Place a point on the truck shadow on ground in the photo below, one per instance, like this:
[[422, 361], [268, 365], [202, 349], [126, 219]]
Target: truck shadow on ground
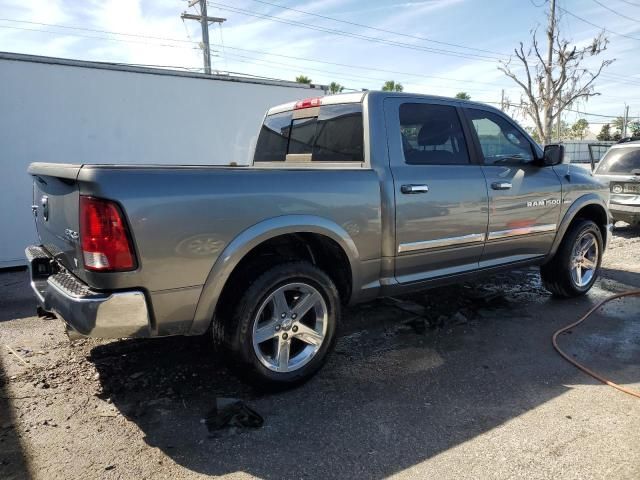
[[13, 464], [408, 380], [16, 301]]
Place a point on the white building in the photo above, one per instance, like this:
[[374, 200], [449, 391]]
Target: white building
[[68, 111]]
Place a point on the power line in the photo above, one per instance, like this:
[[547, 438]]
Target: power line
[[359, 67], [597, 26], [346, 22], [618, 79], [631, 3], [332, 31], [296, 68], [69, 27], [616, 12], [261, 52], [98, 38], [622, 80]]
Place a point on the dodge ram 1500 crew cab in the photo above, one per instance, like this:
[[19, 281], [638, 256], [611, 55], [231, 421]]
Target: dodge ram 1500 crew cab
[[349, 197]]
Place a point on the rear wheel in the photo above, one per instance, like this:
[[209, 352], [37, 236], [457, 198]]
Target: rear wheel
[[574, 268], [284, 325]]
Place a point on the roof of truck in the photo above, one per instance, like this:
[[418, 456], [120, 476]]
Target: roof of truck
[[357, 97]]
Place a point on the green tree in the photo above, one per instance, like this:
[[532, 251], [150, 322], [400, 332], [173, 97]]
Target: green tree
[[565, 132], [392, 86], [335, 87], [579, 128], [634, 128], [303, 79], [618, 124], [605, 133], [463, 96]]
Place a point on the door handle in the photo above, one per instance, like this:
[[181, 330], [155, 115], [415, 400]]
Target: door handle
[[409, 189], [501, 185]]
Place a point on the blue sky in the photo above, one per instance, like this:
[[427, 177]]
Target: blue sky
[[472, 35]]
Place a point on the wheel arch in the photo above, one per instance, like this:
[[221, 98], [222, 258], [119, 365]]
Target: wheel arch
[[259, 234], [589, 206]]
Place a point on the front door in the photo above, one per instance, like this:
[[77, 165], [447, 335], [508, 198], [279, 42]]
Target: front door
[[440, 194], [524, 196]]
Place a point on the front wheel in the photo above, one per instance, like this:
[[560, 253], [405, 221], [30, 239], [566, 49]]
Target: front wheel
[[574, 268], [285, 324]]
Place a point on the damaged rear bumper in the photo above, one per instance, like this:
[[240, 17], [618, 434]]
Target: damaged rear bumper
[[85, 311], [627, 213]]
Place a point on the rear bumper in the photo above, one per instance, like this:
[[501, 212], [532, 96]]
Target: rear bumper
[[626, 213], [86, 312]]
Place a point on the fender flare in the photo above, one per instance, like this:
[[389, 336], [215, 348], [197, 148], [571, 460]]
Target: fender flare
[[576, 206], [242, 244]]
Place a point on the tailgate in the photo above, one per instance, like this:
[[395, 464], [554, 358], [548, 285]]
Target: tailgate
[[56, 205]]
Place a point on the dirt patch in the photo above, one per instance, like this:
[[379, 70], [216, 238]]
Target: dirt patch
[[413, 380]]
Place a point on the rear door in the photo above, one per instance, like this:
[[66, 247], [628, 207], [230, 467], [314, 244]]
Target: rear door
[[441, 195], [524, 197]]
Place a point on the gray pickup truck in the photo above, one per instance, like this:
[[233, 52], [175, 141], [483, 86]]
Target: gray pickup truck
[[349, 197]]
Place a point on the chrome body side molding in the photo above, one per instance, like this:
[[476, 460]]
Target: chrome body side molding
[[441, 242], [474, 238], [514, 232]]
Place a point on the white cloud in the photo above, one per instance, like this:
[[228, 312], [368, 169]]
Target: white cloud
[[453, 21]]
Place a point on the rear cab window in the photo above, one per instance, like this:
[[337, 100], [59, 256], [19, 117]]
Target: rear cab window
[[328, 133]]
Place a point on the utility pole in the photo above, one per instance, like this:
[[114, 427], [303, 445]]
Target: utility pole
[[548, 108], [625, 121], [204, 24], [502, 101]]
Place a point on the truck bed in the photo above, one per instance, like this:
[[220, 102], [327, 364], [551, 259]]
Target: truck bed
[[182, 218]]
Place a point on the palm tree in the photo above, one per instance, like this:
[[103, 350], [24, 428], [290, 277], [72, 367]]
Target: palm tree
[[391, 86], [303, 79], [335, 87], [463, 96]]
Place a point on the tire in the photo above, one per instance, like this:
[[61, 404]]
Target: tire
[[260, 334], [560, 276]]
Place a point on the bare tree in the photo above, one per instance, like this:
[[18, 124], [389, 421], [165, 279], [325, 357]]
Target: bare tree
[[554, 84]]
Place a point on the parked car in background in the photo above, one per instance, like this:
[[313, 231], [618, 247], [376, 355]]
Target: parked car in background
[[620, 167], [350, 197]]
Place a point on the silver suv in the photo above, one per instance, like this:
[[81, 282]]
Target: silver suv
[[620, 166]]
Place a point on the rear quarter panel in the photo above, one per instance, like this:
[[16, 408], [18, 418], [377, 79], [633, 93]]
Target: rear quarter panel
[[182, 218]]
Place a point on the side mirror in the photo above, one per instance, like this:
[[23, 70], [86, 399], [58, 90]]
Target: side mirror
[[553, 155]]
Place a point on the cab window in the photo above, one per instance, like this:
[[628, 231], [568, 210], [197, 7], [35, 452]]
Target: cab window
[[432, 135], [501, 141]]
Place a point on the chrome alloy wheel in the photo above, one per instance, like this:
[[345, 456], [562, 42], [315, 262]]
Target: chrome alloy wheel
[[584, 259], [290, 327]]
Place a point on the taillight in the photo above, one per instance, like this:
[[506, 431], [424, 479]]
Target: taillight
[[308, 103], [105, 241]]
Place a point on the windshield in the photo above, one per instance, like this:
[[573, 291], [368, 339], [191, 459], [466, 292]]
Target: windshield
[[620, 161]]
